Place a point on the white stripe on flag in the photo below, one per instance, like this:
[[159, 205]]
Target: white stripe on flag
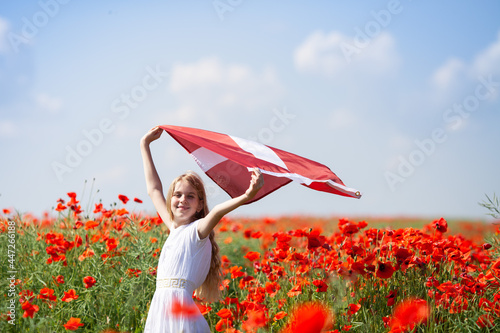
[[307, 181], [207, 159], [292, 176], [260, 151], [343, 188]]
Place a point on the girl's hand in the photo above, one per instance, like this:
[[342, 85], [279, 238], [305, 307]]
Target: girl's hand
[[256, 183], [152, 135]]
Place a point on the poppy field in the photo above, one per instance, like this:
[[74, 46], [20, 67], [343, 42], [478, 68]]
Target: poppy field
[[94, 270]]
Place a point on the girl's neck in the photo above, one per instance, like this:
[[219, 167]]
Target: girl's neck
[[177, 224]]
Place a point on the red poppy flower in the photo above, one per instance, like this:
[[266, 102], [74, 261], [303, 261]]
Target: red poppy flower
[[486, 320], [496, 266], [58, 279], [247, 233], [236, 272], [272, 288], [86, 254], [69, 296], [391, 297], [349, 228], [223, 324], [60, 207], [387, 321], [440, 225], [282, 237], [280, 315], [123, 198], [320, 285], [78, 224], [257, 234], [98, 208], [314, 239], [308, 318], [77, 209], [225, 313], [121, 212], [133, 272], [256, 319], [111, 244], [204, 309], [401, 254], [353, 308], [47, 293], [409, 313], [251, 255], [73, 200], [29, 309], [91, 225], [385, 270], [89, 281], [73, 324], [296, 290], [137, 200]]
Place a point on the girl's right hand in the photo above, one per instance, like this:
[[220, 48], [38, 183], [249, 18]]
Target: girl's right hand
[[152, 135]]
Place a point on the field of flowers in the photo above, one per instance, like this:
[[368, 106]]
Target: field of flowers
[[94, 271]]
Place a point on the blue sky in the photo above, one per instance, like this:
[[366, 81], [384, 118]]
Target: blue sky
[[399, 98]]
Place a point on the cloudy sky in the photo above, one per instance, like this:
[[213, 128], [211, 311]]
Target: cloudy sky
[[399, 98]]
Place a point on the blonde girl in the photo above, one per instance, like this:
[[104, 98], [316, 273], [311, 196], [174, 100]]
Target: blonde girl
[[189, 261]]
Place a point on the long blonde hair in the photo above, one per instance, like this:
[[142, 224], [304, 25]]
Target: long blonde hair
[[209, 290]]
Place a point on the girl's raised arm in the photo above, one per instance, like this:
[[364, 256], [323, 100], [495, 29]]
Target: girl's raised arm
[[208, 223], [153, 182]]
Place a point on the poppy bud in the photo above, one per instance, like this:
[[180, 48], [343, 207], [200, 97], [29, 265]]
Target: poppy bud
[[487, 246]]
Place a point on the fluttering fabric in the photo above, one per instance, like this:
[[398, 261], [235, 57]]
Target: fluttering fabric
[[228, 161]]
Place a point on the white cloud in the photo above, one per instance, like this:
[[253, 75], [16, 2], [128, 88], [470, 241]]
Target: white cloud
[[4, 27], [320, 52], [334, 53], [447, 74], [48, 103], [487, 62], [209, 87], [455, 75]]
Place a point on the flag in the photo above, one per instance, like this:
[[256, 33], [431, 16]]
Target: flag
[[229, 160]]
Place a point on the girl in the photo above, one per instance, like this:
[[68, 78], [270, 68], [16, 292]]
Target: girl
[[189, 260]]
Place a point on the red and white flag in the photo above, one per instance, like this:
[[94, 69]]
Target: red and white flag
[[228, 161]]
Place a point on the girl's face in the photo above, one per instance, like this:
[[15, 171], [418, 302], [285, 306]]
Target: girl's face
[[185, 202]]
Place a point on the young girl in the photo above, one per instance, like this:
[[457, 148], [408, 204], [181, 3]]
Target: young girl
[[189, 260]]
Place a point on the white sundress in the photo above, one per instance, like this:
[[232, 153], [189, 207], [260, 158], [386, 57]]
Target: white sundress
[[183, 266]]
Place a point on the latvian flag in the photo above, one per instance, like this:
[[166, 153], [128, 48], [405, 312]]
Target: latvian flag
[[228, 161]]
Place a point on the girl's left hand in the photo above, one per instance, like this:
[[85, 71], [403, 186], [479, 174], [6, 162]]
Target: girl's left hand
[[256, 183]]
